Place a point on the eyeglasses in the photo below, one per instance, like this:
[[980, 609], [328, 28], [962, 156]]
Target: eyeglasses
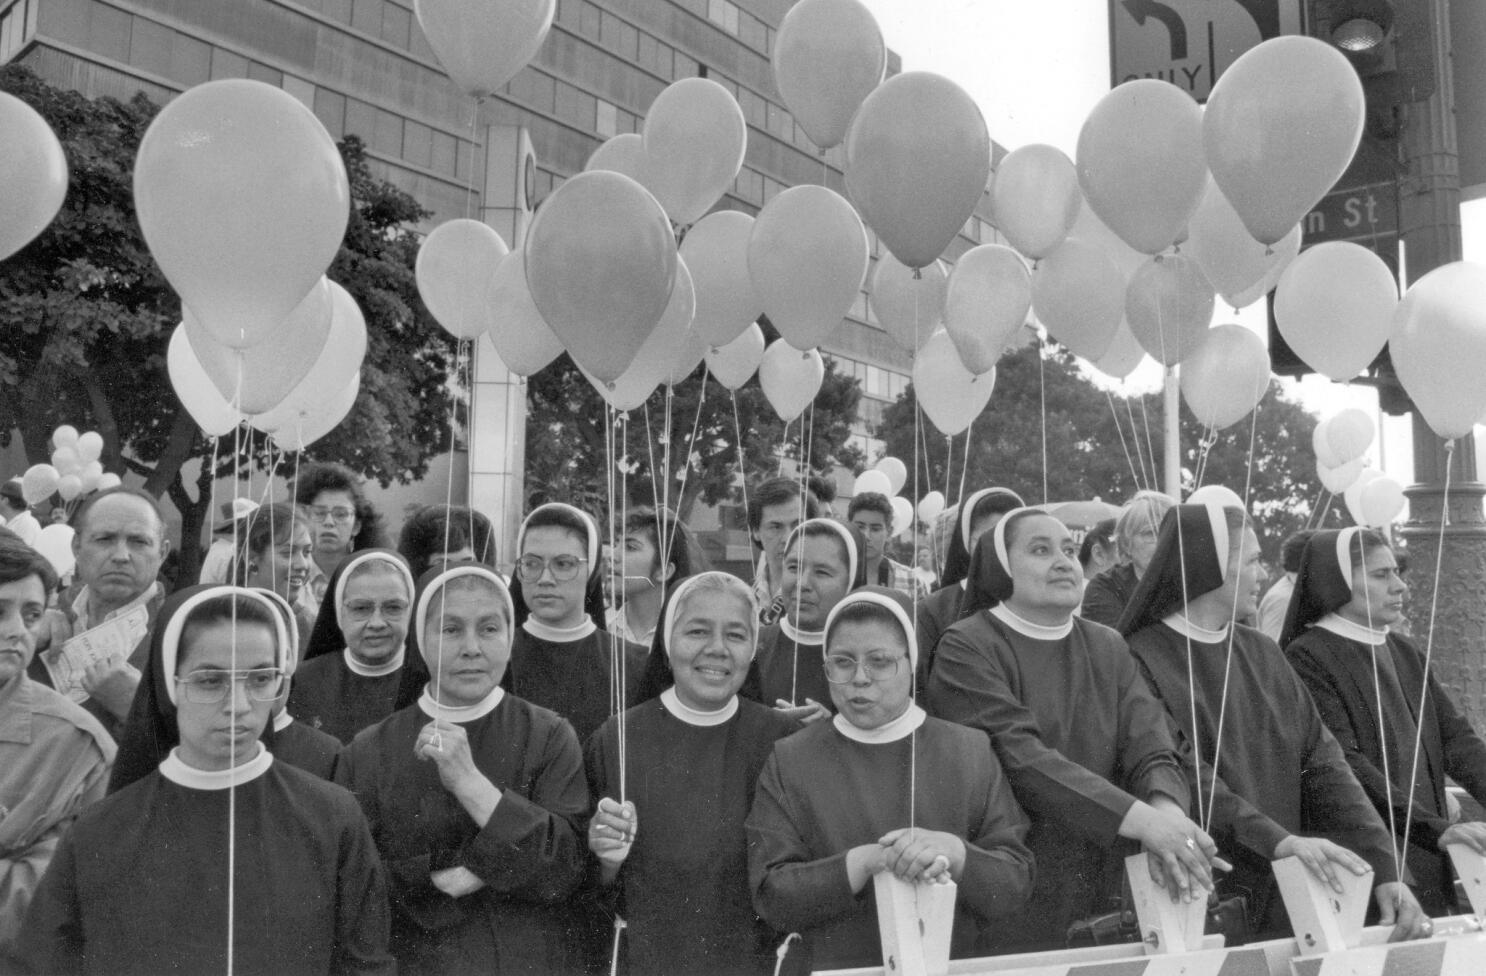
[[364, 610], [210, 687], [563, 568], [340, 514], [843, 668]]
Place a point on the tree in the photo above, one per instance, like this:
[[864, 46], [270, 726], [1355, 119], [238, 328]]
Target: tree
[[1108, 446], [89, 316], [567, 446]]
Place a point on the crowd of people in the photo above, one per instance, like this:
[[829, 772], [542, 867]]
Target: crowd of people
[[335, 755]]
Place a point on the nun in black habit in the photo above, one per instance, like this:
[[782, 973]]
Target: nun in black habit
[[294, 742], [209, 856], [1368, 683], [1085, 745], [1271, 749]]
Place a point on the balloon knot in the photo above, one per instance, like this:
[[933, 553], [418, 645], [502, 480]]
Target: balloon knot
[[918, 274], [1268, 250], [609, 386], [1159, 258]]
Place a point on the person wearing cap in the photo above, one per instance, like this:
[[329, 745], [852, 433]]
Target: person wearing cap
[[356, 669], [207, 855], [216, 566], [476, 797], [974, 517], [1085, 745], [1368, 683], [881, 787], [561, 657], [54, 756], [16, 515], [1135, 541], [673, 852], [120, 545], [1236, 704], [822, 563]]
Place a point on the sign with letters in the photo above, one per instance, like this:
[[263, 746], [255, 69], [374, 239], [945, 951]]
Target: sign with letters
[[1190, 43]]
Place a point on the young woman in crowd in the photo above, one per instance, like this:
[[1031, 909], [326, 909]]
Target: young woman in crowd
[[476, 798], [274, 553], [646, 574], [881, 787]]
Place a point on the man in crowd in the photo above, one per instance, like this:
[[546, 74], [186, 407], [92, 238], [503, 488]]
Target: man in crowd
[[1277, 598], [119, 544], [775, 509], [872, 514], [224, 539], [16, 514]]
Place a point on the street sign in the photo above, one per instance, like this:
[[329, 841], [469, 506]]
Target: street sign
[[1191, 42], [1366, 215]]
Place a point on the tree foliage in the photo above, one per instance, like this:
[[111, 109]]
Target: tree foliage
[[1102, 445], [567, 438], [89, 316]]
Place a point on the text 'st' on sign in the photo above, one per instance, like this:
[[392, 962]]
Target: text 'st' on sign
[[1191, 42]]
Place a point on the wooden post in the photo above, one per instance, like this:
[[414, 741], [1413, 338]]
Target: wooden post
[[1471, 867], [915, 922], [1323, 921], [1166, 926]]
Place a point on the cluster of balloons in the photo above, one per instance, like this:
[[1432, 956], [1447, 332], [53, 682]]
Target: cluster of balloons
[[243, 201], [1341, 442], [75, 469], [887, 477]]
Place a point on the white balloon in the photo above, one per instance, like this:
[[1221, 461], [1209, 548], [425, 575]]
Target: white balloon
[[1326, 455], [1339, 479], [453, 268], [1350, 434], [662, 352], [624, 154], [790, 378], [1353, 495], [873, 482], [950, 394], [65, 436], [518, 334], [313, 420], [716, 252], [55, 543], [930, 506], [109, 480], [896, 471], [1381, 500], [735, 363], [90, 446], [909, 305], [38, 483], [902, 515]]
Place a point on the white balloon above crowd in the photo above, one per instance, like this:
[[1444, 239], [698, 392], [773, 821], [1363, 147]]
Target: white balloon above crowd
[[1119, 253]]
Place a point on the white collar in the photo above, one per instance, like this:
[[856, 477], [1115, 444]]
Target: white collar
[[84, 596], [559, 635], [175, 770], [374, 670], [282, 721], [899, 728], [1351, 630], [460, 713], [1030, 629], [816, 637], [1179, 623], [693, 716]]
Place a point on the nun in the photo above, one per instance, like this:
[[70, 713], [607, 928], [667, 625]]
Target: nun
[[673, 851], [881, 787], [1360, 673], [354, 672], [294, 742], [822, 563], [1269, 744], [1085, 746], [976, 516], [217, 858], [476, 798], [561, 657]]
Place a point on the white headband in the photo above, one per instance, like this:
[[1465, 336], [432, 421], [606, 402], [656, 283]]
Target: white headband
[[842, 531], [998, 535], [590, 529], [439, 582], [1344, 552], [967, 510], [291, 661], [170, 640], [742, 589], [1218, 523], [877, 600], [366, 557]]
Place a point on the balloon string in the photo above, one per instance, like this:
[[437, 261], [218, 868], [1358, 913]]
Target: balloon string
[[1434, 603], [804, 474], [1042, 397], [738, 442], [1313, 519], [949, 473], [616, 655], [784, 450], [1150, 446], [1396, 842], [965, 461], [469, 191], [675, 523], [1123, 444], [650, 450], [1135, 438]]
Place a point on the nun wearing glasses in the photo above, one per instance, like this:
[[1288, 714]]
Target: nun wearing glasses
[[204, 830], [561, 657], [673, 852], [881, 787], [476, 798]]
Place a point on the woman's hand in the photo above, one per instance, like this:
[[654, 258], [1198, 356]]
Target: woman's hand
[[1322, 857], [448, 747], [1181, 854], [918, 855], [611, 834]]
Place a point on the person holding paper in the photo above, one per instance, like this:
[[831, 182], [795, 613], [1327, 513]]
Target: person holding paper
[[119, 544]]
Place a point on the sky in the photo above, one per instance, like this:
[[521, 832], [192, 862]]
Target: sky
[[1036, 68]]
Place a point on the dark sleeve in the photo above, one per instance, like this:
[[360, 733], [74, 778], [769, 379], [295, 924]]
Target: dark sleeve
[[1332, 707], [997, 879], [51, 939], [929, 629], [362, 925], [1147, 750], [753, 685], [1465, 753], [792, 891], [967, 686], [533, 849], [1102, 602], [355, 769]]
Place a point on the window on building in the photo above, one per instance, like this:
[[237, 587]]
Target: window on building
[[607, 123], [724, 15]]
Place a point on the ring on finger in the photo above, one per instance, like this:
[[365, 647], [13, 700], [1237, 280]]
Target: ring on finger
[[1191, 844]]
